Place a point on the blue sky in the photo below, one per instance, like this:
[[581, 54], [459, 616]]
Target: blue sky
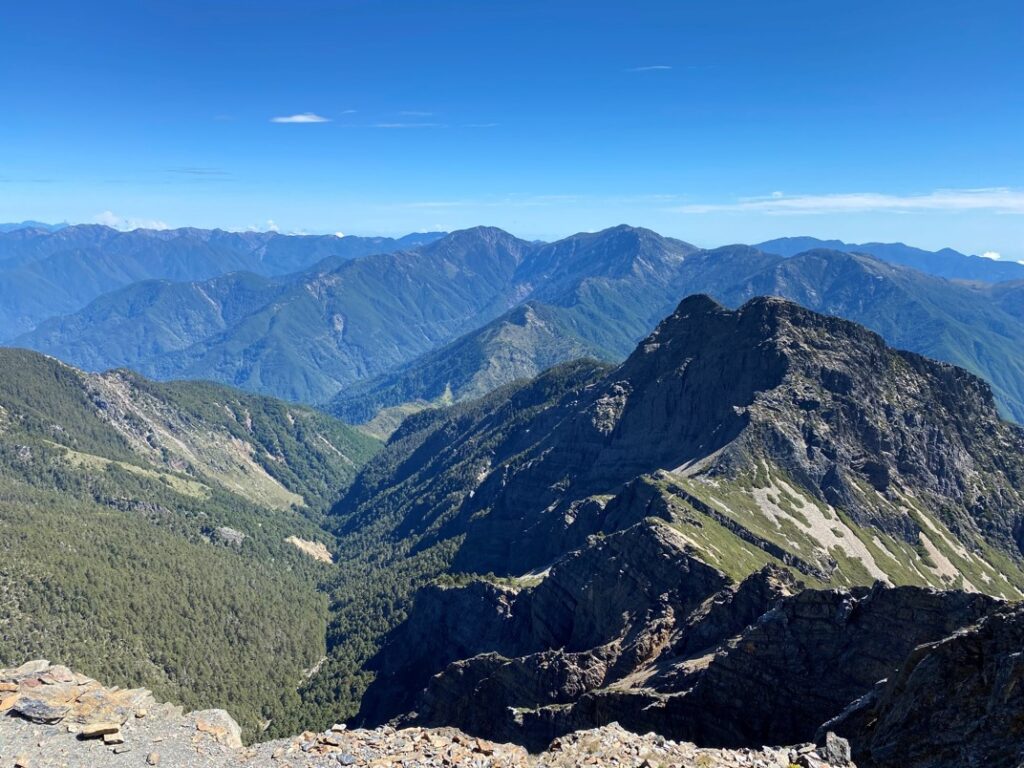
[[715, 121]]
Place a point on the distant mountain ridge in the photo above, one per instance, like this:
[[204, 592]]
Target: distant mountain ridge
[[524, 341], [319, 331], [404, 329], [912, 310], [51, 272], [38, 225], [946, 262]]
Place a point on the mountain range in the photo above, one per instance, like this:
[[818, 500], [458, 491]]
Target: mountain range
[[46, 272], [944, 263], [37, 225], [729, 537], [454, 317], [975, 326]]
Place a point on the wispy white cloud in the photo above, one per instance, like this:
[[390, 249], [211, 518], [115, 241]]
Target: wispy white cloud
[[269, 226], [439, 204], [650, 68], [111, 219], [198, 171], [993, 199], [408, 125], [303, 117], [997, 256], [510, 201]]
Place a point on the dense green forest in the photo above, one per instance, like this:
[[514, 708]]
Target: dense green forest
[[143, 527]]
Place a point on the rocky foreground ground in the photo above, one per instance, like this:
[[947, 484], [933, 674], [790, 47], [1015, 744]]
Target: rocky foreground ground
[[51, 717]]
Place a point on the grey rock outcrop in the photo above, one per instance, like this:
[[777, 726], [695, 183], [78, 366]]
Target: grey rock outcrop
[[804, 661], [605, 638], [596, 607], [957, 701]]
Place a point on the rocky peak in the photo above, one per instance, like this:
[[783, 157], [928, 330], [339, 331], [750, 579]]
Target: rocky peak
[[633, 629], [718, 393], [479, 245], [615, 252]]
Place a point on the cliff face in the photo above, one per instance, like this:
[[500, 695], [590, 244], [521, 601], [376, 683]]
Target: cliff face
[[634, 630], [808, 658], [605, 609], [957, 701]]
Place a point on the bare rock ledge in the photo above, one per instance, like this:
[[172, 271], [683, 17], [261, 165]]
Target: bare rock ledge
[[52, 717]]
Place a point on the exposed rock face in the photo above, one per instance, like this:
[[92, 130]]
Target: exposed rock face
[[53, 695], [219, 725], [706, 661], [958, 701], [46, 694], [628, 628], [314, 549], [229, 536], [595, 606], [805, 660]]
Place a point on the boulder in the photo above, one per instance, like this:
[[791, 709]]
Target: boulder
[[219, 725]]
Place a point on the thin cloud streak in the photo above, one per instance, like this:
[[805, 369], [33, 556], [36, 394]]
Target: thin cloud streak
[[303, 117], [995, 199], [198, 171], [522, 200], [650, 68], [408, 125], [512, 201]]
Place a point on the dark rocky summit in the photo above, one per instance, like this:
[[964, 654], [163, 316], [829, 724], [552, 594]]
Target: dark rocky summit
[[716, 391], [812, 443]]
